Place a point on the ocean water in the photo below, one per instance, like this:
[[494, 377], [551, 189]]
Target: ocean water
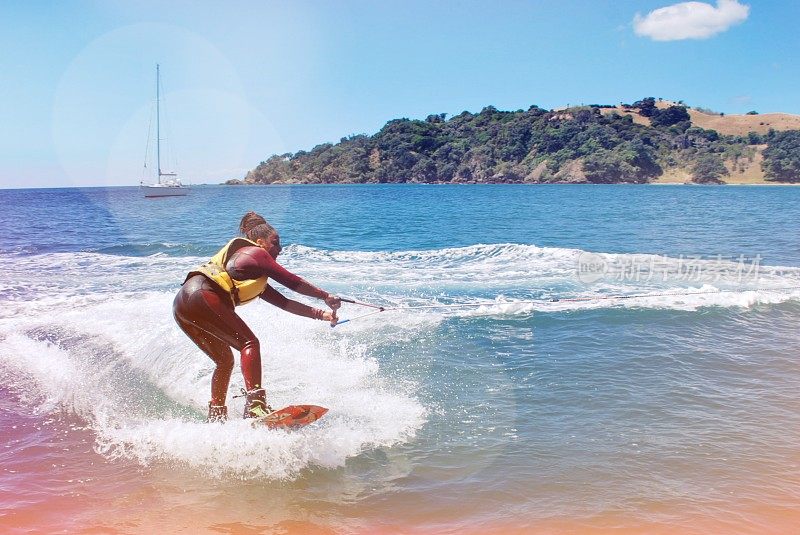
[[510, 389]]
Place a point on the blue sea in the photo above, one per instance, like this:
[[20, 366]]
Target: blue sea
[[554, 359]]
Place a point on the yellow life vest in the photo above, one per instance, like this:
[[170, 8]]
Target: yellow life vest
[[241, 292]]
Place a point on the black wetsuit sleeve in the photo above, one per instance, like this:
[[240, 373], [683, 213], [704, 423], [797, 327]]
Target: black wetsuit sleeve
[[254, 262]]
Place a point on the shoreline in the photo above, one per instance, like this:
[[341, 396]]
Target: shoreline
[[367, 184], [655, 183]]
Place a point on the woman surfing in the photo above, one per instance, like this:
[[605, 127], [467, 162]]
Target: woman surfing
[[238, 274]]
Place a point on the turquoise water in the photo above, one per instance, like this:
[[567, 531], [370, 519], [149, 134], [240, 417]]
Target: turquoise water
[[546, 405]]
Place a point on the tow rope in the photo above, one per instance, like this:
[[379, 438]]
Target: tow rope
[[379, 308]]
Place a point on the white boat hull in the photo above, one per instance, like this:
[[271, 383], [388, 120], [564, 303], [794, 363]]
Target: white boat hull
[[165, 191]]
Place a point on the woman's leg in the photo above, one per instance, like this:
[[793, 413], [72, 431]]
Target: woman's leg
[[211, 322], [219, 352]]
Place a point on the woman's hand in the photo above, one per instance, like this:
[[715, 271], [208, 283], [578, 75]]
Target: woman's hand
[[333, 302], [331, 317]]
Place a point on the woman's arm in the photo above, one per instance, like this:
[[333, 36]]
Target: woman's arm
[[273, 297], [254, 262]]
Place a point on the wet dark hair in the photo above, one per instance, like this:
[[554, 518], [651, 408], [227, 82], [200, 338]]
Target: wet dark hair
[[254, 226]]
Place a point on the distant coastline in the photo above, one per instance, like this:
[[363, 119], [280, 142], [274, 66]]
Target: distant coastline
[[238, 182], [648, 142]]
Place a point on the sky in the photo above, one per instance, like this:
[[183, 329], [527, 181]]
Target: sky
[[245, 80]]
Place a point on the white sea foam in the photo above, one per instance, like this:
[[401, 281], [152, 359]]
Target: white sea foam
[[479, 273], [503, 279], [125, 367]]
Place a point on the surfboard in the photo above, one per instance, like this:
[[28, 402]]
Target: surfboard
[[291, 417]]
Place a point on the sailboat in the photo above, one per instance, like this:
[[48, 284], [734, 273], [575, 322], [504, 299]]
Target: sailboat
[[168, 185]]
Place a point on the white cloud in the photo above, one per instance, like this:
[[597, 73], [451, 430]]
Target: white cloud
[[690, 20]]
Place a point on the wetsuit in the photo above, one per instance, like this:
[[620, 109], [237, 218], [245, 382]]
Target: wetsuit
[[204, 310]]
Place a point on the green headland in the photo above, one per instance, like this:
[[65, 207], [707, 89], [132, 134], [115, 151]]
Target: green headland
[[648, 141]]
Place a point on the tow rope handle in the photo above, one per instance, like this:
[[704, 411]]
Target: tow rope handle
[[361, 303]]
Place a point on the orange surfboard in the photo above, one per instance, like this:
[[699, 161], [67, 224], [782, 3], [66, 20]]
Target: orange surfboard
[[293, 416]]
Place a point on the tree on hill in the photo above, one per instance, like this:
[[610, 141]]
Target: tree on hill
[[647, 106], [754, 138], [605, 166], [670, 116], [782, 156], [708, 169]]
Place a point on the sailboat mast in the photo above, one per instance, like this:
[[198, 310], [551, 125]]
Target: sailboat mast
[[171, 186], [158, 124]]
